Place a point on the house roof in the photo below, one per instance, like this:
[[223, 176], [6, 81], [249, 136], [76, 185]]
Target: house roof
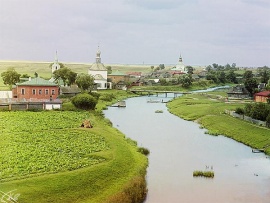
[[97, 67], [37, 82], [117, 73], [264, 94], [134, 73], [238, 89]]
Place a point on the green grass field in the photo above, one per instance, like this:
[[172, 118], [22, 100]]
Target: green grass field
[[43, 68], [209, 113], [47, 157]]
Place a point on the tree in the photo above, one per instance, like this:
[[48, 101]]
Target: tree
[[161, 66], [152, 68], [251, 85], [10, 77], [189, 69], [109, 69], [186, 81], [66, 74], [208, 68], [250, 82], [221, 77], [231, 76], [25, 75], [85, 81], [247, 75]]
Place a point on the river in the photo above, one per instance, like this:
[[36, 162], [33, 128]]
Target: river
[[178, 147]]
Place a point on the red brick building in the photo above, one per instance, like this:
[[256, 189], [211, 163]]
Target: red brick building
[[262, 96], [36, 88]]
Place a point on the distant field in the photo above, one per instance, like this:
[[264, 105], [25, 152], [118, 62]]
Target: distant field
[[43, 68]]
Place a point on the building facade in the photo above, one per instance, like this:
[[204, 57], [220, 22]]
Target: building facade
[[99, 72], [262, 96], [36, 88], [180, 66]]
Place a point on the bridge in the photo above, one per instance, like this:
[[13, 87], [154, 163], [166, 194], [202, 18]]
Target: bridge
[[151, 92]]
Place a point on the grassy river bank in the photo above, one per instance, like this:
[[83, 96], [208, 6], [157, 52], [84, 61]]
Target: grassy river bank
[[47, 157], [209, 113]]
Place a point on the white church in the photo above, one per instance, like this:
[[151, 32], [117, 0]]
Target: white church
[[180, 66], [99, 72]]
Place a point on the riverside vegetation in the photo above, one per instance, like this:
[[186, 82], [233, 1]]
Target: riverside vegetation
[[209, 112], [47, 157]]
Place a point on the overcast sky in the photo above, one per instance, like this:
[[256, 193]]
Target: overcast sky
[[137, 31]]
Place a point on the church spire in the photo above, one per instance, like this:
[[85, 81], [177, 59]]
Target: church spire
[[98, 58], [56, 57], [180, 58]]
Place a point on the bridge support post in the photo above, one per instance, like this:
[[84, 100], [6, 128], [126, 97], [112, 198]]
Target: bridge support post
[[157, 94], [166, 94]]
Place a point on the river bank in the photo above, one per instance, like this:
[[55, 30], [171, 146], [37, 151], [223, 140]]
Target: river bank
[[179, 147], [210, 114], [47, 157]]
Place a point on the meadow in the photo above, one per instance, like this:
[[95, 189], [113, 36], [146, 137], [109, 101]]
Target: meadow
[[43, 68], [209, 112], [47, 157]]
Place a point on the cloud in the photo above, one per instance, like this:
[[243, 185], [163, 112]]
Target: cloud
[[204, 31]]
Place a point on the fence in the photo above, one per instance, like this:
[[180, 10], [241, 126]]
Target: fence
[[11, 104], [247, 118]]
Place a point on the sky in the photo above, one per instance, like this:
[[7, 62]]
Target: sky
[[203, 32]]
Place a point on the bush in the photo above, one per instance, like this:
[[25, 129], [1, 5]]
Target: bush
[[107, 97], [84, 101], [239, 111], [144, 151], [95, 94], [134, 192]]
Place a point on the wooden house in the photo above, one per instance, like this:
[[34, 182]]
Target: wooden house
[[262, 96]]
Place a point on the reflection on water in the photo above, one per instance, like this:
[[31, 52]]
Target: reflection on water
[[178, 147]]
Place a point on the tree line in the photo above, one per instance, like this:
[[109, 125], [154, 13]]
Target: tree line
[[63, 75]]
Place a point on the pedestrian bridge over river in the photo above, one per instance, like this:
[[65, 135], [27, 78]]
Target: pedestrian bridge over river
[[157, 92]]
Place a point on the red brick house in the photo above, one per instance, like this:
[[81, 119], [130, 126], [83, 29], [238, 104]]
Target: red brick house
[[36, 88], [262, 96]]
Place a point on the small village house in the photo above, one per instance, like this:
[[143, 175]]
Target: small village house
[[238, 92], [36, 88], [118, 76], [262, 96]]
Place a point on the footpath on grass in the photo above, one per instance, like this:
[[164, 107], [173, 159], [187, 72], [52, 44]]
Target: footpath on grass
[[210, 114]]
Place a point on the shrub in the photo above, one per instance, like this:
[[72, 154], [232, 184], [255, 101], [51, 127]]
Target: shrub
[[95, 94], [144, 151], [107, 97], [207, 174], [134, 192], [84, 101], [239, 110]]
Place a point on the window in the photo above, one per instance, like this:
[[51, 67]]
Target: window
[[53, 92], [46, 92], [23, 91], [39, 91], [33, 91]]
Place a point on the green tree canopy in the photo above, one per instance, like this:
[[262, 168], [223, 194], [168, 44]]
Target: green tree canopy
[[10, 77], [66, 74], [186, 80], [189, 69], [109, 69], [85, 81]]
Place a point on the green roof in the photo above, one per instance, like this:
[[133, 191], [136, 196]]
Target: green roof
[[37, 82], [118, 73]]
